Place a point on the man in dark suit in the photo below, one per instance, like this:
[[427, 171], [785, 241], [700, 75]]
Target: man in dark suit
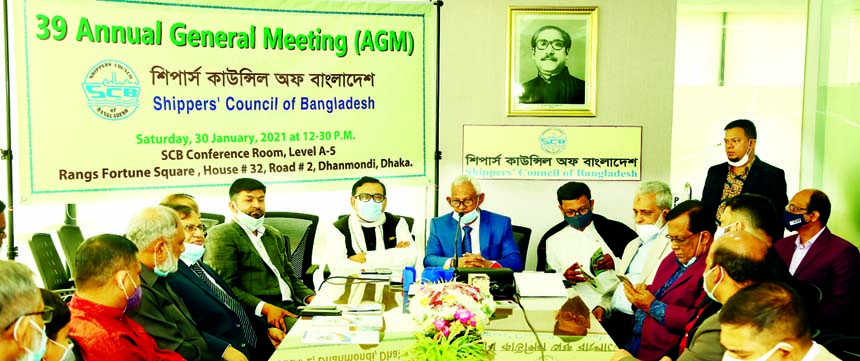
[[157, 233], [252, 258], [486, 240], [212, 303], [744, 172], [553, 84], [664, 307], [817, 256]]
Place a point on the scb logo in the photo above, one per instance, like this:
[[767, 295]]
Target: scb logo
[[112, 89], [553, 140]]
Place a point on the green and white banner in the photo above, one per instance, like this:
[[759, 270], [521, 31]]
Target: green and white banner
[[133, 95]]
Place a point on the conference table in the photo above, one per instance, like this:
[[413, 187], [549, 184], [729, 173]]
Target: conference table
[[507, 336]]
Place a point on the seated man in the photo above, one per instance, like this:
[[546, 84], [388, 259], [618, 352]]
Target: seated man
[[107, 277], [213, 305], [640, 260], [584, 244], [817, 256], [158, 234], [370, 238], [664, 307], [767, 319], [22, 314], [486, 238], [252, 258]]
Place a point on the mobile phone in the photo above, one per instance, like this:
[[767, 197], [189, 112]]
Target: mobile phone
[[624, 279]]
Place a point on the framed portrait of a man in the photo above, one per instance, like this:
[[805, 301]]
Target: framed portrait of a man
[[552, 61]]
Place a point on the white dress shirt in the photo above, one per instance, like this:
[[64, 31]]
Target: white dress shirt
[[800, 251]]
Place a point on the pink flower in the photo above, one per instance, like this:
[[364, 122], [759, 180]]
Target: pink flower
[[440, 324], [463, 315]]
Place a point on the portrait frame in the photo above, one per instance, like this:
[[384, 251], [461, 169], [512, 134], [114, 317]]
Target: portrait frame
[[527, 94]]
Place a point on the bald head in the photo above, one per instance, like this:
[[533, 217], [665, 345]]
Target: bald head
[[744, 244]]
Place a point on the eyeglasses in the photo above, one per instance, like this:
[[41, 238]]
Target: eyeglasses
[[556, 44], [794, 209], [456, 203], [679, 240], [190, 228], [364, 197], [576, 212], [46, 313]]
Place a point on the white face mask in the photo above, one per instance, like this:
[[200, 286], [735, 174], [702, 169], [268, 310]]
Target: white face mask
[[764, 357], [193, 252], [722, 230], [648, 231], [468, 217], [743, 160], [37, 347], [68, 355], [248, 221]]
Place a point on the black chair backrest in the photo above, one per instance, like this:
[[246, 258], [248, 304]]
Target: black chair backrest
[[51, 269], [71, 238], [299, 231], [522, 236], [211, 219]]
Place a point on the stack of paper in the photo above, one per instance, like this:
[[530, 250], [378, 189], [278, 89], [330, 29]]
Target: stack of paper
[[539, 284]]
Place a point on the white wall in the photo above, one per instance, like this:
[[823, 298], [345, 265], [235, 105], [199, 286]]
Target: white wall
[[636, 42]]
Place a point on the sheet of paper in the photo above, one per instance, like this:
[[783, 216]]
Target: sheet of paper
[[539, 284]]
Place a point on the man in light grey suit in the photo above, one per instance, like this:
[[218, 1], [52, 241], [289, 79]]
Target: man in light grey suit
[[640, 259], [252, 258]]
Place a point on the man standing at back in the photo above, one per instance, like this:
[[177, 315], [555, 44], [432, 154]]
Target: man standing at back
[[744, 172], [486, 239], [158, 234], [252, 258]]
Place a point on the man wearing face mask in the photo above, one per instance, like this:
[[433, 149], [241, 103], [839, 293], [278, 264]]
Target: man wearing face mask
[[744, 172], [22, 314], [554, 84], [818, 256], [583, 246], [252, 258], [107, 280], [158, 234], [640, 260], [213, 305], [767, 321], [664, 307], [370, 238], [486, 239]]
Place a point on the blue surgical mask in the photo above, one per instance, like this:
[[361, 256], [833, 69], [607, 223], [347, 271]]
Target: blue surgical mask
[[248, 221], [369, 211], [580, 221], [193, 252], [710, 293], [37, 347], [791, 221], [468, 217], [165, 269]]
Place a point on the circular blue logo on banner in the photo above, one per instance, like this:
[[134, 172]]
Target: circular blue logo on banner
[[553, 140], [112, 89]]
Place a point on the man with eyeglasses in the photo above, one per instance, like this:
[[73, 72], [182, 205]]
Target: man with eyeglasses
[[369, 238], [664, 308], [767, 320], [486, 238], [228, 330], [818, 256], [108, 291], [252, 257], [553, 84], [22, 314], [744, 172], [583, 245]]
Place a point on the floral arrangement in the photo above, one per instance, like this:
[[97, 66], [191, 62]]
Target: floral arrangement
[[451, 316]]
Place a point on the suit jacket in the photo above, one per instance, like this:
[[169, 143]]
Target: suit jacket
[[497, 241], [658, 251], [230, 252], [164, 317], [705, 343], [763, 179], [616, 235], [220, 323], [680, 298], [831, 264]]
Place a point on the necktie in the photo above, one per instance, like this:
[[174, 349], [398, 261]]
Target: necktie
[[231, 303], [467, 239]]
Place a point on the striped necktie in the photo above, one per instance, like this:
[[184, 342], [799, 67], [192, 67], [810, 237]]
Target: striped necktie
[[231, 303]]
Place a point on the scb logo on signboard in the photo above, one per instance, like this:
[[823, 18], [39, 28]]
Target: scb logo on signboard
[[553, 140], [112, 89]]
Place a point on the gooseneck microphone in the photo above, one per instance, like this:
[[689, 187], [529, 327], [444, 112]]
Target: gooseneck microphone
[[457, 235]]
